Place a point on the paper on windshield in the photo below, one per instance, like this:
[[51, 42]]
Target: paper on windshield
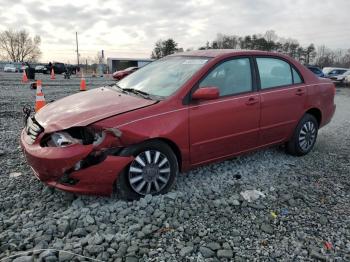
[[195, 61]]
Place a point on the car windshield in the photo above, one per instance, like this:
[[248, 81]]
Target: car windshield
[[163, 77], [9, 65], [326, 70]]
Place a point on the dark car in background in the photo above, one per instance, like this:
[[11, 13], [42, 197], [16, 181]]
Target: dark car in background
[[118, 75], [60, 68], [72, 69], [316, 70]]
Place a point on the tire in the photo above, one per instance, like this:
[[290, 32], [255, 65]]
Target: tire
[[129, 183], [304, 137]]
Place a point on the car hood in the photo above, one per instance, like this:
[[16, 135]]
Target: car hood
[[84, 108]]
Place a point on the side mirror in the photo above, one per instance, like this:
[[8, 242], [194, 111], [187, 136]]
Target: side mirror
[[206, 93]]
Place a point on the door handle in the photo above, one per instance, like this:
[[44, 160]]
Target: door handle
[[300, 92], [252, 101]]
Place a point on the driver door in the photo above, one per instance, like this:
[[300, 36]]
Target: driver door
[[228, 125]]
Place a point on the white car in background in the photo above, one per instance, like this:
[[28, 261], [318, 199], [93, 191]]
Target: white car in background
[[340, 79], [347, 80], [10, 68], [333, 71]]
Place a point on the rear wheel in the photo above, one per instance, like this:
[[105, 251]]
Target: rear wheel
[[153, 171], [304, 137]]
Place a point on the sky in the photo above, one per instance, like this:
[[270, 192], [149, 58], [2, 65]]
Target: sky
[[130, 28]]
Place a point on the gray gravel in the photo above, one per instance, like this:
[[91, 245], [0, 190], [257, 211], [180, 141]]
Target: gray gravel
[[204, 218]]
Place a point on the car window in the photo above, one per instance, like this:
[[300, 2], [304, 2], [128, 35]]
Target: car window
[[296, 77], [274, 72], [231, 77], [338, 72]]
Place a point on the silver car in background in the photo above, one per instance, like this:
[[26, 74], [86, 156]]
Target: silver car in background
[[10, 68]]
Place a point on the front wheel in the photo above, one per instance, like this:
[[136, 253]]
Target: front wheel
[[304, 137], [153, 171]]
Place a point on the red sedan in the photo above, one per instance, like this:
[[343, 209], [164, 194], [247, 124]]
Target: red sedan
[[118, 75], [177, 113]]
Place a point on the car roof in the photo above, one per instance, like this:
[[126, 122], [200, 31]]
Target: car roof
[[222, 52]]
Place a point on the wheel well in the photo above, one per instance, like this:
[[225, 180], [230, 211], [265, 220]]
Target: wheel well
[[316, 113], [175, 148], [129, 149]]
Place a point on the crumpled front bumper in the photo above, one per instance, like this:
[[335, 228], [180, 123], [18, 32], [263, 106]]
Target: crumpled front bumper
[[50, 164]]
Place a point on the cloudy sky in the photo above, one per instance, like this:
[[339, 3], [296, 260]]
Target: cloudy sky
[[129, 28]]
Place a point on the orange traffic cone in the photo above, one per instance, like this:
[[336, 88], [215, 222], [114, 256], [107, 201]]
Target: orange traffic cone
[[82, 83], [24, 77], [52, 77], [40, 98]]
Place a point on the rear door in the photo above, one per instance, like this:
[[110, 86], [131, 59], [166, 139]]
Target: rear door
[[283, 97], [229, 124]]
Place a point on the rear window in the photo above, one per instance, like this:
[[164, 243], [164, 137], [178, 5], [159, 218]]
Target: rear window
[[337, 72]]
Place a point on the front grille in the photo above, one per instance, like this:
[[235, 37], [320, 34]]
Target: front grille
[[33, 130]]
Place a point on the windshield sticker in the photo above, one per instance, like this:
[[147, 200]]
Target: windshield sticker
[[195, 62]]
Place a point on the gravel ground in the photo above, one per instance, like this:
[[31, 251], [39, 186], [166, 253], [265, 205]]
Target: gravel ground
[[304, 214]]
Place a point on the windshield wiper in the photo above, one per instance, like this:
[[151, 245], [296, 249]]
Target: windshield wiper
[[138, 92], [118, 87]]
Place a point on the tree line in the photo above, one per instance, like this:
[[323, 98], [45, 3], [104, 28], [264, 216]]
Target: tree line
[[19, 46], [269, 41]]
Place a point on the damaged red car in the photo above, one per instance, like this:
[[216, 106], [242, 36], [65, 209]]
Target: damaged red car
[[177, 113], [119, 75]]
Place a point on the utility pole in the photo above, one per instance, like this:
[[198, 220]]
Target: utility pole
[[76, 40]]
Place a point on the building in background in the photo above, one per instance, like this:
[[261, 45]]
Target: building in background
[[116, 64]]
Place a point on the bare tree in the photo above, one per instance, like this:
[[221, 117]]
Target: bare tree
[[18, 46], [325, 56], [270, 36]]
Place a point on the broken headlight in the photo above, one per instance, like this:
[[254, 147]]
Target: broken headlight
[[62, 139], [78, 135]]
